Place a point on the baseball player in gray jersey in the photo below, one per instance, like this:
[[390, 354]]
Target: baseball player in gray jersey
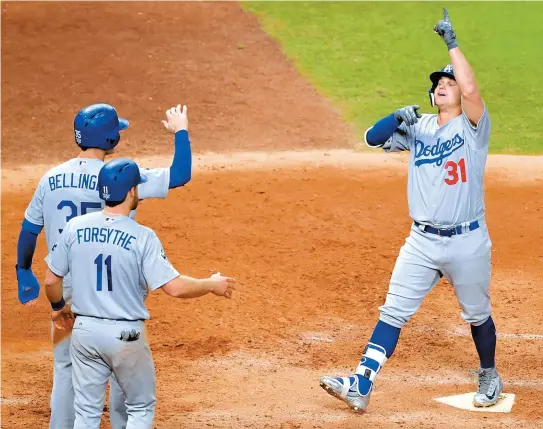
[[70, 190], [114, 261], [449, 236]]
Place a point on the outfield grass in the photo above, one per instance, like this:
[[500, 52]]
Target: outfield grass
[[371, 58]]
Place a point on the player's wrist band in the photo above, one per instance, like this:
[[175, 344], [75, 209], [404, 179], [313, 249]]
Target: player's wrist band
[[56, 306]]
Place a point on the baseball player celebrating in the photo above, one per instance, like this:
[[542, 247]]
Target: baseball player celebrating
[[449, 237], [69, 190], [114, 261]]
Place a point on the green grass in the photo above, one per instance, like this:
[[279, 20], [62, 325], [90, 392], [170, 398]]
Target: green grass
[[371, 58]]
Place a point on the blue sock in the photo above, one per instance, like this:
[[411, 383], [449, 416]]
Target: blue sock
[[484, 337], [380, 347], [386, 336]]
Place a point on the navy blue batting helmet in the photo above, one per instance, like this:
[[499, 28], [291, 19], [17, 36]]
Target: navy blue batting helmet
[[97, 126], [117, 177], [446, 71]]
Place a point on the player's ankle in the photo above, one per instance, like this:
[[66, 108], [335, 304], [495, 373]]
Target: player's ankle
[[373, 359]]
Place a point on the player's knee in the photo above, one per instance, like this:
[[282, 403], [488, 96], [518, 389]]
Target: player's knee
[[476, 314], [397, 310], [478, 321], [394, 318]]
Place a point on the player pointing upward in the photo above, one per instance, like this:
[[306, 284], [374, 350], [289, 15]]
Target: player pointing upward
[[114, 261], [449, 237]]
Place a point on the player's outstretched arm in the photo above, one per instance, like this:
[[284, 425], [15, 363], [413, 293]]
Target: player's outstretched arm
[[160, 273], [472, 103], [188, 287], [181, 168]]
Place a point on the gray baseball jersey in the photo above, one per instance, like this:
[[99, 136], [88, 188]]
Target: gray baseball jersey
[[113, 261], [446, 168], [445, 188], [70, 189]]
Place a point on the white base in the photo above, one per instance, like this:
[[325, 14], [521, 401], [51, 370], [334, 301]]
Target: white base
[[465, 402]]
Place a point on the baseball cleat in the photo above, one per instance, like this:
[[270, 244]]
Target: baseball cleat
[[490, 388], [346, 389]]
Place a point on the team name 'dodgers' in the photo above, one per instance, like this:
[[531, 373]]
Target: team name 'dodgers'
[[438, 152]]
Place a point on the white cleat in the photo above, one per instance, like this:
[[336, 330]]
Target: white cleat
[[341, 388], [490, 388]]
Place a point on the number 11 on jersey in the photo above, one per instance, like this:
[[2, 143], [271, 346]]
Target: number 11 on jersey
[[99, 262], [452, 168]]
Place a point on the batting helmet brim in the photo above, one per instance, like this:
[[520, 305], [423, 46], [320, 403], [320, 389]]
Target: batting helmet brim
[[123, 123], [435, 76]]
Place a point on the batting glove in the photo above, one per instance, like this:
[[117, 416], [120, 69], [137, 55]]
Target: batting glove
[[28, 285], [408, 114], [445, 31]]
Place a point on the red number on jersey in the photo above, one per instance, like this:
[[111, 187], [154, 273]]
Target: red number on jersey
[[452, 168]]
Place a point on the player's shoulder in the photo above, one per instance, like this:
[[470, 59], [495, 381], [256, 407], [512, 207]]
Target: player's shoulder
[[428, 118], [429, 115], [63, 166], [145, 236], [145, 231], [88, 219], [57, 169], [91, 166]]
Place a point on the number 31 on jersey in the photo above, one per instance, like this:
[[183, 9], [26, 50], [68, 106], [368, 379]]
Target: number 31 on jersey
[[456, 171]]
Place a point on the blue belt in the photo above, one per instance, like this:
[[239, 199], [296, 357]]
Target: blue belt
[[448, 232]]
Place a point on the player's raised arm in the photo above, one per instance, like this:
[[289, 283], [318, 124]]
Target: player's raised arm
[[160, 180], [181, 169], [472, 103]]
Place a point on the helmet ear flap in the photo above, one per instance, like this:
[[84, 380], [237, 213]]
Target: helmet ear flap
[[113, 140], [431, 96]]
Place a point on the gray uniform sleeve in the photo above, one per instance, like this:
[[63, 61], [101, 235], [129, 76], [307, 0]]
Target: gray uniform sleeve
[[398, 142], [158, 184], [58, 260], [156, 268], [34, 211], [480, 134]]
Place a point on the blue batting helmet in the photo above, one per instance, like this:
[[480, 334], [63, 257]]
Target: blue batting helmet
[[446, 71], [97, 126], [117, 177]]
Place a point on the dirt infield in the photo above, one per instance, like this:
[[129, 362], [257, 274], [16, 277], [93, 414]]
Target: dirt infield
[[311, 235]]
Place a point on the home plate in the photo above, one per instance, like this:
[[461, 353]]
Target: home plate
[[465, 402]]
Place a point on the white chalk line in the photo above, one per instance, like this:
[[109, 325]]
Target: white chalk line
[[14, 401], [459, 332], [463, 332]]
